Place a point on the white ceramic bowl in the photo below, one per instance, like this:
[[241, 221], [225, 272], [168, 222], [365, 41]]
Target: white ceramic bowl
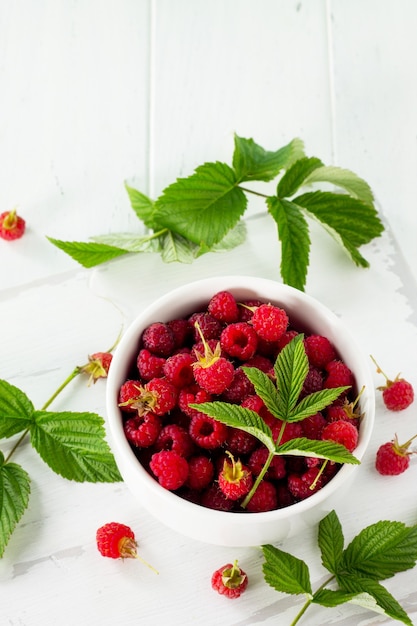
[[219, 527]]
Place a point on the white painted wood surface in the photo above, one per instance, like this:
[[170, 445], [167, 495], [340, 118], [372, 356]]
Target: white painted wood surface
[[93, 93]]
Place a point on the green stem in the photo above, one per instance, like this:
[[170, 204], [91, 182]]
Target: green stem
[[66, 382], [255, 193], [258, 480], [309, 601]]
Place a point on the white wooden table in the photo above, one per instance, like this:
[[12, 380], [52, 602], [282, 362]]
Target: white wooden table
[[94, 93]]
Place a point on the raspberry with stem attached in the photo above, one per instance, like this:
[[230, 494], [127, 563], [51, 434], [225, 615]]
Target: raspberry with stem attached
[[117, 541], [212, 372], [235, 479], [397, 394], [393, 458], [229, 580], [12, 226]]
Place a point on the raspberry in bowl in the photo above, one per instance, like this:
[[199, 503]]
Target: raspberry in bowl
[[195, 392]]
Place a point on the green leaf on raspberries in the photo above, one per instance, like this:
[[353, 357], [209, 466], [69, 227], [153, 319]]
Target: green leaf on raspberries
[[293, 233], [285, 573], [381, 550], [204, 206], [302, 446], [14, 498], [251, 162], [237, 416], [74, 446], [353, 223], [291, 368], [343, 178], [266, 389], [88, 254], [143, 206], [315, 402], [331, 542], [16, 410], [296, 175]]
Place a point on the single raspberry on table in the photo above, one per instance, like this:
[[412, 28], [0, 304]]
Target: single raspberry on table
[[149, 365], [270, 322], [343, 432], [393, 458], [264, 498], [12, 226], [175, 437], [212, 372], [117, 541], [235, 479], [319, 350], [229, 580], [397, 394], [200, 472], [239, 341], [223, 306], [170, 469], [207, 432], [142, 431], [178, 369], [98, 366], [158, 338]]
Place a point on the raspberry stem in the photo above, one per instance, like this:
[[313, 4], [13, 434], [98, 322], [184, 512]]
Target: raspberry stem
[[309, 601], [258, 480]]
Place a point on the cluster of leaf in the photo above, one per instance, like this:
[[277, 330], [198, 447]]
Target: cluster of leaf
[[378, 552], [281, 398], [203, 212], [72, 444]]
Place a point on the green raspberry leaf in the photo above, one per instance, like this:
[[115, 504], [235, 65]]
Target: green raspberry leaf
[[130, 242], [381, 550], [204, 206], [291, 368], [352, 222], [294, 235], [143, 206], [296, 175], [331, 542], [251, 162], [302, 446], [88, 254], [177, 248], [266, 390], [74, 446], [16, 410], [315, 402], [347, 180], [285, 573], [238, 417], [14, 498], [332, 598]]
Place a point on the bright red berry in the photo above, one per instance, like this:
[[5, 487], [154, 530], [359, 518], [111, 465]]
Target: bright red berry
[[200, 472], [239, 341], [223, 307], [235, 479], [207, 432], [149, 365], [342, 432], [175, 437], [209, 326], [264, 498], [193, 394], [214, 498], [181, 330], [302, 486], [142, 431], [212, 372], [229, 580], [319, 350], [117, 541], [270, 322], [158, 338], [393, 458], [338, 375], [170, 468], [12, 226], [397, 394], [178, 369]]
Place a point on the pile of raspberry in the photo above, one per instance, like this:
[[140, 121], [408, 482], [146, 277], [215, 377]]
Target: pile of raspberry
[[199, 358]]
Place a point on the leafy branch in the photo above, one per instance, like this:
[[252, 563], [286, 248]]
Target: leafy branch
[[203, 212], [378, 552], [72, 444], [281, 398]]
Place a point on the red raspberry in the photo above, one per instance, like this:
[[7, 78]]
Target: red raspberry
[[164, 395], [181, 330], [170, 468], [178, 369], [342, 432], [192, 394], [209, 326], [264, 499], [313, 425], [240, 442], [149, 365], [229, 580], [338, 375], [11, 225], [239, 340], [129, 394], [223, 307], [319, 351], [257, 460], [261, 363], [301, 486], [270, 322], [397, 394], [246, 309], [393, 458], [158, 339], [239, 389], [235, 479], [212, 372], [116, 541], [313, 382], [254, 403], [98, 366], [285, 497], [200, 472], [142, 431], [207, 432], [214, 498], [199, 347], [175, 437], [290, 431], [285, 338]]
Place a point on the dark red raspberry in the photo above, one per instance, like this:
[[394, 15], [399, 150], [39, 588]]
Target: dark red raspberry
[[207, 432], [301, 486], [286, 432], [223, 307], [200, 472], [178, 369], [240, 442], [192, 394], [12, 226], [319, 351], [239, 341], [254, 403], [270, 322], [286, 337], [284, 496], [210, 327], [199, 347], [246, 309], [149, 365], [239, 389], [338, 375], [142, 431], [313, 425], [261, 363], [277, 468], [181, 330], [159, 339], [345, 411], [342, 432], [214, 498], [229, 580], [170, 468], [176, 438], [235, 479], [313, 382], [393, 458], [264, 499]]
